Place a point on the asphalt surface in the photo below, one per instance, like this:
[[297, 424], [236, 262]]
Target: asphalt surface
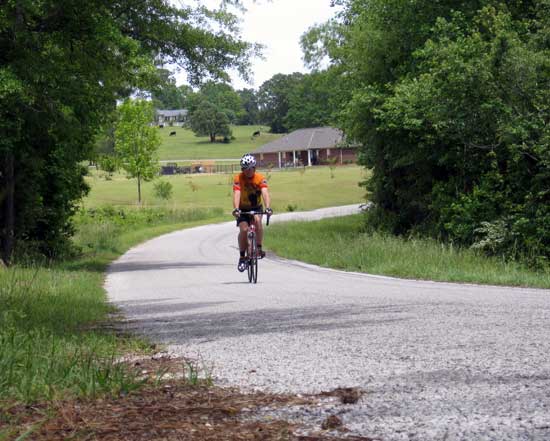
[[437, 361]]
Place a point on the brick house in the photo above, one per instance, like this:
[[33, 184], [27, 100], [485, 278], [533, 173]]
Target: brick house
[[313, 146]]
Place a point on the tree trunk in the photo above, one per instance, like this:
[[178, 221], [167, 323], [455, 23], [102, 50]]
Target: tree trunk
[[139, 189], [7, 204], [212, 137]]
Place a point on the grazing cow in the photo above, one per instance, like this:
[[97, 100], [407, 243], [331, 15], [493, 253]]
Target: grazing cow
[[172, 134], [161, 126], [257, 133]]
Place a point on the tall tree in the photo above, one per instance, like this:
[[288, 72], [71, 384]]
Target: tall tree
[[274, 100], [221, 96], [209, 120], [136, 142], [166, 95], [450, 100], [64, 63], [312, 102], [249, 113]]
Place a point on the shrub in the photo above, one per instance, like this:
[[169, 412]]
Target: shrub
[[163, 190]]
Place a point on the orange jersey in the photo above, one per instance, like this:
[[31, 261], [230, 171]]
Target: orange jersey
[[251, 190]]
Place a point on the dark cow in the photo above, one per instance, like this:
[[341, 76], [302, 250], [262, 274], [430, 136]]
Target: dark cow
[[161, 126], [257, 133], [172, 134]]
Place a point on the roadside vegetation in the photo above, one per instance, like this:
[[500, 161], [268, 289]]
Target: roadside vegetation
[[345, 243], [58, 335]]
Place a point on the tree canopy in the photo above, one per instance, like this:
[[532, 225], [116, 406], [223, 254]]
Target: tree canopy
[[63, 65], [274, 100], [208, 120], [450, 101]]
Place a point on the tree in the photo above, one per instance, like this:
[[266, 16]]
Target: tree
[[311, 102], [208, 120], [64, 63], [249, 114], [136, 142], [273, 97], [169, 96], [450, 101]]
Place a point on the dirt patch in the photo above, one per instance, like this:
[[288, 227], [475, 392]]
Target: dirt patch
[[169, 411]]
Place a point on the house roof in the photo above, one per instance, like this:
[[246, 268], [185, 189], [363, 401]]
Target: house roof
[[304, 139], [176, 112]]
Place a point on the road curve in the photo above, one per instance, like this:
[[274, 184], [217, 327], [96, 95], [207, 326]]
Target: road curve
[[437, 361]]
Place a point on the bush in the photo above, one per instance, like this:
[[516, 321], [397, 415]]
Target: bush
[[163, 190]]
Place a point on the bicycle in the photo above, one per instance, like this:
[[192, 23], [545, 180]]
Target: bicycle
[[251, 253]]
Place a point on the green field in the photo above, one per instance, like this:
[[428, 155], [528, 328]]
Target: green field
[[296, 189], [185, 145]]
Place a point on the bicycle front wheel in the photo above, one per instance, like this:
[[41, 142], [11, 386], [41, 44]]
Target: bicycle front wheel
[[253, 261], [254, 265]]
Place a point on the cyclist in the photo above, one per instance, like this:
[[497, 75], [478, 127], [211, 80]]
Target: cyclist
[[249, 188]]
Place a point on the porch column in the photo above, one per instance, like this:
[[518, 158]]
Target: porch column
[[309, 158], [294, 158], [279, 159]]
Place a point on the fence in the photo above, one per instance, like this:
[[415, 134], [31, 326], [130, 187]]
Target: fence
[[172, 168]]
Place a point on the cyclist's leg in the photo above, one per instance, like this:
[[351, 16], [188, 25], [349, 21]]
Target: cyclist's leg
[[242, 223], [259, 234], [243, 240]]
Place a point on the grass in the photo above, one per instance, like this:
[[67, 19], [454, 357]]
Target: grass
[[295, 189], [53, 339], [343, 243], [185, 145]]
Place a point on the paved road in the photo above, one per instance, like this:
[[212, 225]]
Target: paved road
[[437, 361]]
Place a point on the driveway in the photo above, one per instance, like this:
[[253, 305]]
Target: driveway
[[437, 361]]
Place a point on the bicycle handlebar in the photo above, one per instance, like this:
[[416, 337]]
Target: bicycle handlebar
[[253, 213]]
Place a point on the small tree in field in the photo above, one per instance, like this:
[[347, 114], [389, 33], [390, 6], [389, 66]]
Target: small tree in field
[[136, 142]]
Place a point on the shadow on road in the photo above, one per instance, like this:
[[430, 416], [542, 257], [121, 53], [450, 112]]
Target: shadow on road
[[174, 323], [122, 267]]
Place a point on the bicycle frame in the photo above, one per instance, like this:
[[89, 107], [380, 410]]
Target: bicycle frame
[[252, 248]]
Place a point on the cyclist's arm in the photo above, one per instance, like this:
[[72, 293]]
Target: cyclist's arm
[[266, 197], [236, 198]]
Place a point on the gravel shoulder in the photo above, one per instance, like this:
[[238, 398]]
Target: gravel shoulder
[[435, 360]]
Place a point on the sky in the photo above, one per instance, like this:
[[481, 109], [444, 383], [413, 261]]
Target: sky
[[278, 25]]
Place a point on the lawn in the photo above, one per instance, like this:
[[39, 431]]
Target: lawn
[[295, 189], [185, 145], [343, 243]]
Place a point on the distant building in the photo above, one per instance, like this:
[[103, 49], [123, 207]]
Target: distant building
[[171, 117], [313, 146]]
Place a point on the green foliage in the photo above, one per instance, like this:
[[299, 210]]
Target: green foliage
[[166, 95], [274, 100], [109, 164], [250, 113], [450, 100], [136, 142], [163, 190], [64, 66], [310, 102], [209, 120]]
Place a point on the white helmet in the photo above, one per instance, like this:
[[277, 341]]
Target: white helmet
[[248, 161]]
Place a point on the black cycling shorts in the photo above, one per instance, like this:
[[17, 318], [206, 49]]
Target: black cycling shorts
[[247, 217]]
